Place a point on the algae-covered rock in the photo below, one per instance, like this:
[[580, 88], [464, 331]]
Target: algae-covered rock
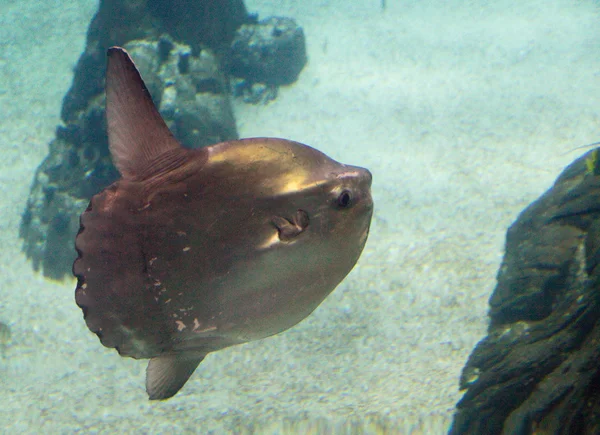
[[538, 369]]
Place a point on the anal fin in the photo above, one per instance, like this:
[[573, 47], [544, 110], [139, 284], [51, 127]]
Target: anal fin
[[167, 373]]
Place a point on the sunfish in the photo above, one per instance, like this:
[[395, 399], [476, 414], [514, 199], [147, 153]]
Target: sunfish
[[192, 251]]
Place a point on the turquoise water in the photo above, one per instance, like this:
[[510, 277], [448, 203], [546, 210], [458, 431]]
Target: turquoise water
[[464, 112]]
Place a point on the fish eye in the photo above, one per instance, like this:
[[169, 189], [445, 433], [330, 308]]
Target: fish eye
[[344, 200]]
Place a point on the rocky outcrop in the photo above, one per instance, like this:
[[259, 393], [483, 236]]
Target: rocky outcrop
[[538, 369], [264, 55]]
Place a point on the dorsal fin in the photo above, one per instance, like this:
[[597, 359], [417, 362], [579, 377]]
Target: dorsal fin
[[137, 134]]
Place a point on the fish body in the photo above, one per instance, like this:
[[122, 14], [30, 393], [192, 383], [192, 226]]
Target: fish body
[[192, 251]]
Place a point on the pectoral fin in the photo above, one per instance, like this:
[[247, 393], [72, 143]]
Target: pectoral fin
[[167, 373], [291, 228]]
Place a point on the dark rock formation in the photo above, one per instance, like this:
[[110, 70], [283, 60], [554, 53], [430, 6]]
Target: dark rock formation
[[265, 55], [271, 51], [206, 24], [178, 46], [538, 370]]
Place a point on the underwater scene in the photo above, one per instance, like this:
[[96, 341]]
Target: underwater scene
[[283, 217]]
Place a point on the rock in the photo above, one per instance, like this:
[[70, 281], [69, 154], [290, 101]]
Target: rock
[[208, 24], [271, 51], [253, 93], [538, 369], [192, 92]]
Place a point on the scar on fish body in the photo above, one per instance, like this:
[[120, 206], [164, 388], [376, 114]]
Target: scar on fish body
[[192, 251]]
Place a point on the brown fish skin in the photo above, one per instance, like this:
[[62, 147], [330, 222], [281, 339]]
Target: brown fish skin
[[192, 251]]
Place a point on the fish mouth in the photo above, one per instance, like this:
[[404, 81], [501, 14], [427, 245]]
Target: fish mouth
[[364, 236]]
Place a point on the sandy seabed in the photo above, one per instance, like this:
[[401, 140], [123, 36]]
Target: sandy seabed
[[464, 112]]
